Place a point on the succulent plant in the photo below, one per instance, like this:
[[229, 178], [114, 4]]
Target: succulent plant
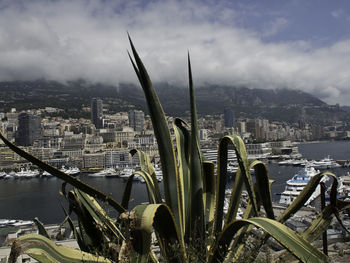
[[190, 224]]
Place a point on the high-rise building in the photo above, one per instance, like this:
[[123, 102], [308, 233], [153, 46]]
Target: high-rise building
[[136, 120], [97, 112], [28, 129], [229, 118]]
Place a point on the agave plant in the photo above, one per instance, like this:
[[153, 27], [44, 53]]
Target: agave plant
[[190, 224]]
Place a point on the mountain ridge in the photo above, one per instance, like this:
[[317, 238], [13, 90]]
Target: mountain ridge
[[273, 104]]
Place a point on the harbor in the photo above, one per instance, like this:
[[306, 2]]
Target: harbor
[[40, 197]]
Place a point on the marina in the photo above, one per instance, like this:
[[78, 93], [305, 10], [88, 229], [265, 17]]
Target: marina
[[39, 196], [123, 173]]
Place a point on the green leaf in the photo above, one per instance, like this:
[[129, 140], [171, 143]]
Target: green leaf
[[153, 194], [263, 186], [209, 190], [91, 235], [146, 166], [41, 229], [298, 246], [238, 244], [235, 198], [242, 159], [162, 133], [159, 218], [196, 185], [152, 191], [77, 236], [127, 192], [46, 251], [182, 138], [99, 215], [314, 231]]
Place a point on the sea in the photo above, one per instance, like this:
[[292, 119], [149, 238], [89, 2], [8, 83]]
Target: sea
[[40, 197]]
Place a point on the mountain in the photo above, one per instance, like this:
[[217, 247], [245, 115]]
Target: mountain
[[279, 104]]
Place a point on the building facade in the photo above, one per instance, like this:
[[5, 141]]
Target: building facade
[[97, 112], [136, 120], [229, 120], [28, 129]]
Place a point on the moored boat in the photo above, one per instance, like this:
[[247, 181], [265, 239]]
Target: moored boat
[[297, 183], [103, 173], [325, 163], [25, 174], [126, 172]]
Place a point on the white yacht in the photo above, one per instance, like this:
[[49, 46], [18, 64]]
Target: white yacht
[[46, 174], [126, 172], [297, 183], [15, 222], [103, 173], [73, 171], [25, 174], [286, 162], [325, 163]]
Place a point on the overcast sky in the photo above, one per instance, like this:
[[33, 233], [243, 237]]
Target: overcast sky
[[296, 44]]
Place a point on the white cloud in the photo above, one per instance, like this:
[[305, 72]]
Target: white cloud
[[65, 40]]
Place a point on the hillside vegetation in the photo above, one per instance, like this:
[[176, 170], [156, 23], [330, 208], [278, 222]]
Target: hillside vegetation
[[211, 99]]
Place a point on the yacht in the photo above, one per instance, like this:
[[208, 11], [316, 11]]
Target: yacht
[[286, 162], [25, 174], [14, 222], [126, 172], [325, 163], [73, 171], [299, 162], [297, 183], [111, 172], [103, 173], [46, 174]]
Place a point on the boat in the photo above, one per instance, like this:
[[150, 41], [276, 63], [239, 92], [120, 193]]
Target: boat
[[126, 172], [103, 173], [111, 172], [10, 175], [299, 162], [297, 183], [286, 162], [325, 163], [2, 175], [15, 222], [25, 174], [46, 174], [73, 171]]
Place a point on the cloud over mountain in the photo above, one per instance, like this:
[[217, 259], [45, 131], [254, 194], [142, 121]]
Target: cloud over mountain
[[66, 40]]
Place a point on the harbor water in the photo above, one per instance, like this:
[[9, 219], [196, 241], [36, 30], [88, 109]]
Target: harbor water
[[39, 197]]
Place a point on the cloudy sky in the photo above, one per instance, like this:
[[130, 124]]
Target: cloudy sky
[[262, 44]]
